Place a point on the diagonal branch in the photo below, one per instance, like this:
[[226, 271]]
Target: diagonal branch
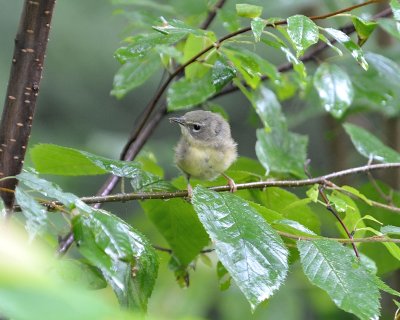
[[23, 89]]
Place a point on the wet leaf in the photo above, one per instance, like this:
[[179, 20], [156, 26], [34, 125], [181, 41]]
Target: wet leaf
[[303, 32], [177, 27], [390, 26], [334, 88], [333, 268], [290, 207], [248, 10], [35, 214], [126, 259], [194, 45], [53, 159], [364, 28], [221, 74], [357, 193], [378, 89], [349, 44], [351, 215], [53, 191], [141, 45], [176, 220], [186, 93], [257, 26], [395, 5], [246, 245], [279, 151], [134, 73], [369, 146], [390, 230]]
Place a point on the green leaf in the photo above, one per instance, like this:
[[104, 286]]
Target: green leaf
[[140, 45], [35, 214], [80, 273], [313, 193], [221, 74], [369, 146], [357, 193], [290, 207], [194, 45], [246, 245], [334, 89], [257, 27], [245, 63], [248, 10], [333, 268], [53, 159], [326, 40], [229, 18], [352, 217], [303, 32], [384, 287], [186, 93], [134, 73], [282, 151], [52, 190], [390, 26], [224, 278], [178, 27], [176, 220], [251, 66], [378, 89], [126, 259], [395, 5], [364, 28], [392, 247], [349, 44], [390, 230], [292, 227], [298, 65], [279, 151]]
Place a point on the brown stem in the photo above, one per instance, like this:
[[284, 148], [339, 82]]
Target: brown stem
[[23, 89], [321, 180], [354, 240], [338, 218], [211, 15]]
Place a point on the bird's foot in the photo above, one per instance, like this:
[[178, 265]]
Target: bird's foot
[[231, 183], [190, 192]]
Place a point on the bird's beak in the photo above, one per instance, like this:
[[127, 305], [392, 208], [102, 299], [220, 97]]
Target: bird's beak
[[179, 120]]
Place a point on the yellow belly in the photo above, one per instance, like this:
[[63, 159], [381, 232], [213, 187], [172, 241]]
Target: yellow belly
[[205, 163]]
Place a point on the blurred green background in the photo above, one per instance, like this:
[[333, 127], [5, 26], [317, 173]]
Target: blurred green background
[[75, 109]]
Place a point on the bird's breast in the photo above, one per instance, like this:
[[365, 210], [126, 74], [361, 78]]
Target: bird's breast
[[202, 162]]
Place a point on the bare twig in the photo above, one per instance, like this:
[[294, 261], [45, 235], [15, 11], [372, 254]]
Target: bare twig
[[23, 89], [321, 180], [211, 15], [332, 210], [341, 240]]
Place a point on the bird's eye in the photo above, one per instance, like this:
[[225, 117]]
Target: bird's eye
[[196, 128]]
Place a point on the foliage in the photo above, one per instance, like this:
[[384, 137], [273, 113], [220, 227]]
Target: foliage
[[258, 235]]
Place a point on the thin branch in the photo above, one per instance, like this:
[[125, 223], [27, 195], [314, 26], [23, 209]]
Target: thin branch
[[321, 180], [211, 15], [341, 240], [23, 88], [332, 210]]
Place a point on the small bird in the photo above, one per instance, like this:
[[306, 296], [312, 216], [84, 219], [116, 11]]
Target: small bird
[[206, 148]]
